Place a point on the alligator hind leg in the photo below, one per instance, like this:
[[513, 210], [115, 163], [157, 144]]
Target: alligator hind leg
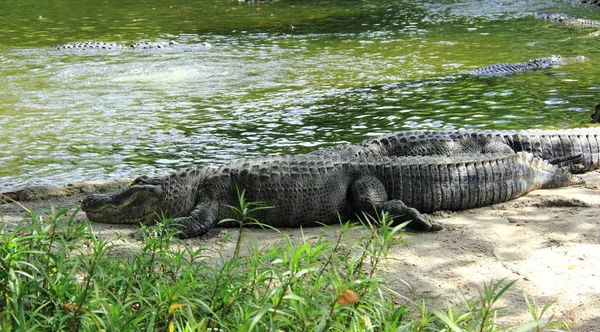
[[367, 193], [200, 220]]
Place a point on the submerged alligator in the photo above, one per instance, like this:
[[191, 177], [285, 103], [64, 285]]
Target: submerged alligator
[[307, 189], [97, 45], [567, 20], [505, 69], [551, 145]]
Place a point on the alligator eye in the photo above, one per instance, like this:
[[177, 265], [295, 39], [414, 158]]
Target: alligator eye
[[140, 180], [146, 180]]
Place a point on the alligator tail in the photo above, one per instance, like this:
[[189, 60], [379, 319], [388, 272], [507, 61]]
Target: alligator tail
[[560, 143]]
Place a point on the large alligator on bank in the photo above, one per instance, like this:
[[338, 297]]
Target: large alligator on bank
[[97, 45], [307, 189], [567, 20], [505, 69], [551, 145]]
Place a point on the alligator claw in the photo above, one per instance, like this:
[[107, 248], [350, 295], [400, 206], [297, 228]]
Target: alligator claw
[[423, 223]]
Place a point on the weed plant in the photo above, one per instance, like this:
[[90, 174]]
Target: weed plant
[[56, 275]]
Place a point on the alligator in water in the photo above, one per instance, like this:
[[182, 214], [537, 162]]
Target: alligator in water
[[551, 145], [567, 20], [591, 2], [596, 115], [505, 69], [494, 70], [96, 45], [307, 189]]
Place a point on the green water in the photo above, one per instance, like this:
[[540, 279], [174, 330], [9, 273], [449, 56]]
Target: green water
[[280, 77]]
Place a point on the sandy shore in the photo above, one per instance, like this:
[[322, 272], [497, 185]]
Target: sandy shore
[[549, 241]]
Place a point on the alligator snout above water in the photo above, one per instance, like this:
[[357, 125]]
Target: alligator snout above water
[[596, 115]]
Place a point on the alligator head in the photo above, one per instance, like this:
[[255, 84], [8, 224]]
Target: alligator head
[[578, 58], [552, 17], [141, 202], [596, 115], [553, 61]]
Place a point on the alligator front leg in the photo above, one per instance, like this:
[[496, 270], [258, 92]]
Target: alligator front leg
[[200, 220], [367, 193]]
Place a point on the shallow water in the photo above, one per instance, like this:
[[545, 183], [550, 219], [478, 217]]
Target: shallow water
[[281, 77]]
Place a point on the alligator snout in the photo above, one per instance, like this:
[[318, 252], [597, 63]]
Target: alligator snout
[[92, 202]]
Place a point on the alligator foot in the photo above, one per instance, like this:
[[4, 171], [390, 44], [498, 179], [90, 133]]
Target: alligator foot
[[202, 219], [419, 222], [368, 192], [571, 163]]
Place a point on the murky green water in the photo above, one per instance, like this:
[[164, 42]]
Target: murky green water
[[281, 77]]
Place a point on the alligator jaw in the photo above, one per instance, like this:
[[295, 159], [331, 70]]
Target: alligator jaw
[[132, 205]]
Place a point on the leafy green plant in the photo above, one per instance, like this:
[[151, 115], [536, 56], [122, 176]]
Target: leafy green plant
[[55, 274], [244, 212], [539, 323]]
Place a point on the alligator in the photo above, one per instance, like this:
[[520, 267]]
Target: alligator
[[567, 20], [591, 2], [505, 69], [494, 70], [596, 115], [418, 143], [97, 45], [559, 146], [305, 190]]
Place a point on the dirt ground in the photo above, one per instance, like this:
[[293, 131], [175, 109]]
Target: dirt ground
[[548, 240]]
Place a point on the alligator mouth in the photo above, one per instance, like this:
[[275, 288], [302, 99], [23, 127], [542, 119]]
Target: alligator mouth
[[115, 218]]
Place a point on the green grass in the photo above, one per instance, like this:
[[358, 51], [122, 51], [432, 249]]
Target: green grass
[[56, 275]]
